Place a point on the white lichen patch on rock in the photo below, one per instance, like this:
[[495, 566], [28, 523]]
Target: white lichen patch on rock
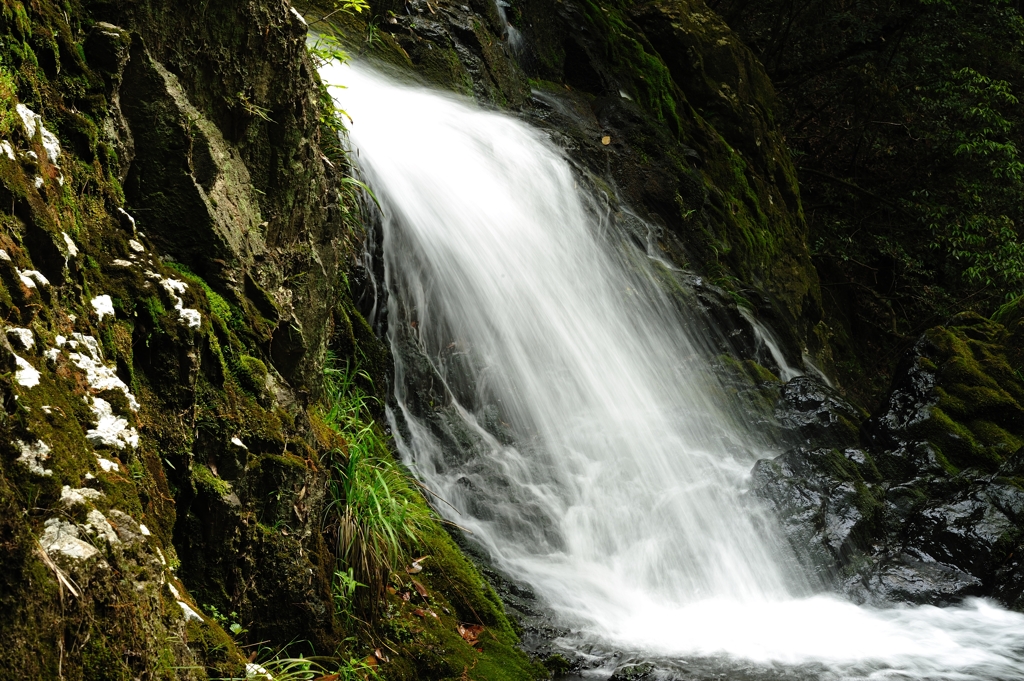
[[104, 306], [255, 671], [7, 149], [191, 317], [34, 122], [111, 430], [175, 289], [107, 465], [97, 373], [96, 524], [72, 248], [119, 262], [32, 278], [23, 338], [73, 497], [4, 255], [136, 246], [33, 455], [25, 374], [190, 614], [60, 536], [128, 217]]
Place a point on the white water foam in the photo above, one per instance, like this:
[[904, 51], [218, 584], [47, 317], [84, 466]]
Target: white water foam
[[549, 390]]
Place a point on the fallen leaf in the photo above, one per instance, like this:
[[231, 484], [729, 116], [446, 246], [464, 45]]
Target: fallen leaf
[[419, 612], [391, 590], [379, 655], [406, 596], [420, 589], [470, 632], [414, 569], [606, 140], [329, 677], [370, 661]]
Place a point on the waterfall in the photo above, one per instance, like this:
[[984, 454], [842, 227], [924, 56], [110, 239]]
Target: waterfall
[[555, 397]]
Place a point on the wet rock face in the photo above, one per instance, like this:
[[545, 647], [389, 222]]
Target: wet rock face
[[926, 506], [810, 412]]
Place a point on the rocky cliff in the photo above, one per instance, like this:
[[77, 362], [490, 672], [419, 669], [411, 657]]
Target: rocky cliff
[[180, 259]]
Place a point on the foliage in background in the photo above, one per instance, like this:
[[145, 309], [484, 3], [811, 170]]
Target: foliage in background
[[905, 120]]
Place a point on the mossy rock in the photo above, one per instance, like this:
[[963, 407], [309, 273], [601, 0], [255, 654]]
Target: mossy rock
[[961, 393]]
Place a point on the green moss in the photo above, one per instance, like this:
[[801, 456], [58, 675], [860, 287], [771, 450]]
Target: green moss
[[251, 374], [430, 646], [630, 54], [100, 663], [978, 419], [207, 481], [217, 648], [8, 100]]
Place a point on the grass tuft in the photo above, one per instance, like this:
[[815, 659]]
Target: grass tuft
[[375, 510]]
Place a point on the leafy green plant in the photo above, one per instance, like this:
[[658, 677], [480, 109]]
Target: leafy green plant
[[282, 668], [374, 510], [977, 220], [327, 49], [344, 589], [229, 622], [253, 109]]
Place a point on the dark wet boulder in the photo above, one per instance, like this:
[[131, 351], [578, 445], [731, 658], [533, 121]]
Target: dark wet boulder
[[930, 507], [823, 501], [904, 578], [812, 414]]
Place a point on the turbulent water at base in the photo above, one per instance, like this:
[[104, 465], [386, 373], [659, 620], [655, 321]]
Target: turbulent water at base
[[572, 423]]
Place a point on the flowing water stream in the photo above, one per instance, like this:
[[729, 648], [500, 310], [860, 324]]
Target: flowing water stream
[[549, 390]]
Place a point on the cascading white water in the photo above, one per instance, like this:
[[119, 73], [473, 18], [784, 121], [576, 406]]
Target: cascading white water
[[572, 420]]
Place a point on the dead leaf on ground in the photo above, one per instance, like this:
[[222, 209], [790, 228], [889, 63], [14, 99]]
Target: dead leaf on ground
[[406, 596], [470, 632], [392, 591], [370, 661], [380, 656], [606, 140], [329, 677], [420, 589], [419, 612]]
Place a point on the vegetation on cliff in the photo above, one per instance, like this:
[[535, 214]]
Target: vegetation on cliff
[[905, 121], [175, 269]]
